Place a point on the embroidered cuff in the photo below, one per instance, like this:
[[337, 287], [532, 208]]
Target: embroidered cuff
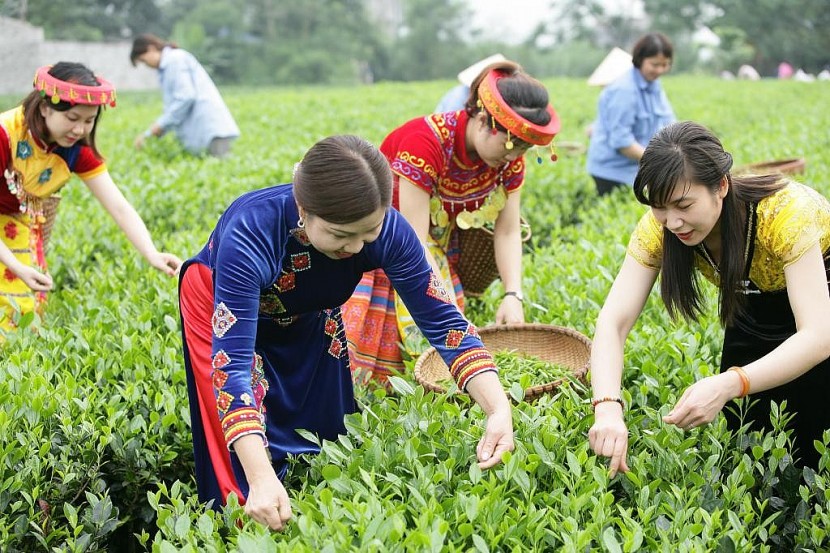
[[471, 363], [243, 421]]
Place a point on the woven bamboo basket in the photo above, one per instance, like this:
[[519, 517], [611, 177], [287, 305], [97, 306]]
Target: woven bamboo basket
[[792, 166], [50, 213], [550, 343], [477, 261]]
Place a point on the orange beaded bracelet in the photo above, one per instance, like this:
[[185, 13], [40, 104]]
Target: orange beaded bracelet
[[744, 380]]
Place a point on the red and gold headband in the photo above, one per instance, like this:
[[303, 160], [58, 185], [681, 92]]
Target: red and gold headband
[[57, 90], [492, 101]]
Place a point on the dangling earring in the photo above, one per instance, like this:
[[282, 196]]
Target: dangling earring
[[553, 156], [300, 222], [509, 143]]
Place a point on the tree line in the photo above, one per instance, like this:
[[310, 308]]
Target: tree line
[[339, 41]]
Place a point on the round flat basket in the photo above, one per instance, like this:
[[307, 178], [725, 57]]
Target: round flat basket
[[550, 343], [793, 166]]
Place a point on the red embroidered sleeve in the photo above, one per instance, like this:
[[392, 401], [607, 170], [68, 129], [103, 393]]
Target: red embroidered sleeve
[[514, 175], [87, 165], [415, 153]]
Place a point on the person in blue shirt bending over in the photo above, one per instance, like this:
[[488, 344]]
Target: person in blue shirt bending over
[[193, 107], [631, 110]]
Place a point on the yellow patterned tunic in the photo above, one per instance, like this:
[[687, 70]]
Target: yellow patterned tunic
[[32, 174], [789, 223]]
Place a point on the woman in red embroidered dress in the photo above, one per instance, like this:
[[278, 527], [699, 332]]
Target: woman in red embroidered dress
[[42, 142], [454, 170]]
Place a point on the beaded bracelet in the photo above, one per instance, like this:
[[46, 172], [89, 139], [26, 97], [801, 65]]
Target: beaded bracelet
[[744, 380], [598, 400]]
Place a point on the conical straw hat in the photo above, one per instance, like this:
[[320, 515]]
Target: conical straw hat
[[467, 76], [615, 64]]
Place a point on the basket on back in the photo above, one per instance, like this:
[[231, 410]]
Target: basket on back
[[477, 261], [50, 213], [550, 343]]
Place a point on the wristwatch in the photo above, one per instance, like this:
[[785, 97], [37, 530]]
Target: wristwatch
[[517, 295]]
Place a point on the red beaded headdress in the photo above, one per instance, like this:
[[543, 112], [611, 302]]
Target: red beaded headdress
[[57, 90], [491, 100]]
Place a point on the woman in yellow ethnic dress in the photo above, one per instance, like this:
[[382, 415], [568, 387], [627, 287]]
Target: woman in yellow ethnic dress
[[42, 142], [454, 170], [764, 241]]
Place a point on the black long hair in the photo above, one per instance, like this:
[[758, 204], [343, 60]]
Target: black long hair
[[678, 155]]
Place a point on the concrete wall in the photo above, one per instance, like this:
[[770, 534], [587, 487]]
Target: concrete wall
[[23, 49]]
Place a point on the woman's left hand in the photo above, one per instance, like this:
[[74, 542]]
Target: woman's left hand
[[497, 439], [165, 262], [702, 401], [510, 311]]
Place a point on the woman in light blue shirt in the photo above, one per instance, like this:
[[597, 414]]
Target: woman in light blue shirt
[[631, 110], [193, 107]]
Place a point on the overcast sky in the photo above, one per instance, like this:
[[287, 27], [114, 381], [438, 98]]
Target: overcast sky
[[513, 24]]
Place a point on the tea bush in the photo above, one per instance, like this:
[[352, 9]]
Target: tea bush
[[94, 423]]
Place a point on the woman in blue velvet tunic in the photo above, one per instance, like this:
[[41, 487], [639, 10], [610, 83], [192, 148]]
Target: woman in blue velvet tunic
[[264, 344]]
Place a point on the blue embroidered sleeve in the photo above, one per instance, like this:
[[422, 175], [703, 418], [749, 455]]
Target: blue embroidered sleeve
[[244, 258]]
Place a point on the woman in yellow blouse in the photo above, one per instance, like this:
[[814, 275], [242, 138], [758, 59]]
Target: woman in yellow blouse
[[764, 241]]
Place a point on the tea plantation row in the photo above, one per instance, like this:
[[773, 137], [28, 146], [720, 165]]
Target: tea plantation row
[[94, 425]]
